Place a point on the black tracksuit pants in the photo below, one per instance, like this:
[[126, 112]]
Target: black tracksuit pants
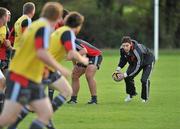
[[145, 81]]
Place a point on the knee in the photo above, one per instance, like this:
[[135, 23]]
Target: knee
[[45, 117], [75, 76], [7, 120], [67, 91], [12, 120], [89, 76], [143, 81]]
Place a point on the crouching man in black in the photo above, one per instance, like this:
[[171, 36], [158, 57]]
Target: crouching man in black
[[139, 58]]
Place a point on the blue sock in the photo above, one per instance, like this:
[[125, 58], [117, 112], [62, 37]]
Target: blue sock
[[58, 102]]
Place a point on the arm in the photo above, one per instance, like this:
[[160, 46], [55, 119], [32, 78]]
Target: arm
[[68, 41], [7, 43], [74, 55], [122, 61], [25, 23], [41, 44], [83, 51], [46, 57], [12, 36]]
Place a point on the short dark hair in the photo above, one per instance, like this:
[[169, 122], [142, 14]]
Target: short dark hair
[[28, 7], [65, 13], [74, 19], [3, 12], [52, 11], [126, 39]]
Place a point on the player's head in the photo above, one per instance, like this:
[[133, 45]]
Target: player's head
[[126, 43], [29, 9], [3, 16], [52, 11], [75, 21]]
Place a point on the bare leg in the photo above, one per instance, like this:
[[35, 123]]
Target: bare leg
[[43, 109], [90, 73], [76, 74], [10, 112]]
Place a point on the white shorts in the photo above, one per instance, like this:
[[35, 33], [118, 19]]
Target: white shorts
[[1, 75]]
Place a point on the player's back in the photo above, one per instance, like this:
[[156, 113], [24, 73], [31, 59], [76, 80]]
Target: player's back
[[57, 48], [25, 61], [19, 29], [91, 50]]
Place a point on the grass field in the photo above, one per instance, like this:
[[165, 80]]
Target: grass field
[[161, 112]]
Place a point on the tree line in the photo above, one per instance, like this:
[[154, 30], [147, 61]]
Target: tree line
[[106, 21]]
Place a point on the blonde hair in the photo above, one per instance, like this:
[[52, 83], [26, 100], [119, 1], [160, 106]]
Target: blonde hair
[[52, 11]]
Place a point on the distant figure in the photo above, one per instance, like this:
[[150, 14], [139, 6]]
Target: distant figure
[[23, 23], [139, 58]]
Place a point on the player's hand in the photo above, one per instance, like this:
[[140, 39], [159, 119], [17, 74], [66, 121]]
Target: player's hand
[[85, 60], [120, 76], [7, 43], [117, 76]]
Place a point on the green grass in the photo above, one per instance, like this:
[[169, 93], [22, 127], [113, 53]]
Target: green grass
[[161, 112]]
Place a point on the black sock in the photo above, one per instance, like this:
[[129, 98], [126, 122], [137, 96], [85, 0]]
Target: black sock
[[50, 93], [37, 125], [21, 116], [74, 98], [94, 98], [2, 97], [58, 102]]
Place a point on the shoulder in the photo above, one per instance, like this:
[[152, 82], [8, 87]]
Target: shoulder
[[3, 29]]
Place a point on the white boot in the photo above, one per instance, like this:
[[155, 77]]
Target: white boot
[[128, 98], [144, 101]]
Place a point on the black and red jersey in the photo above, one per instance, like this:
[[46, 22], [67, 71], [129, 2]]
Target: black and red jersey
[[91, 50], [138, 56]]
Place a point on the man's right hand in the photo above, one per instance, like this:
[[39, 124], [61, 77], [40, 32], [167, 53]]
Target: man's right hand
[[84, 60], [7, 43]]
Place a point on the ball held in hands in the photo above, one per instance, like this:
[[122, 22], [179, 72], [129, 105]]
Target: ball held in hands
[[117, 76]]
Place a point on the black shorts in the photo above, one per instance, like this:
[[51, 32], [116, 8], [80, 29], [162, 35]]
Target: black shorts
[[95, 60], [53, 76], [23, 91]]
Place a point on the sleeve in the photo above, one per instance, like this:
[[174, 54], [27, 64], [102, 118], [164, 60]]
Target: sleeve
[[136, 67], [122, 60], [78, 45], [42, 38], [68, 40], [25, 23], [2, 34]]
